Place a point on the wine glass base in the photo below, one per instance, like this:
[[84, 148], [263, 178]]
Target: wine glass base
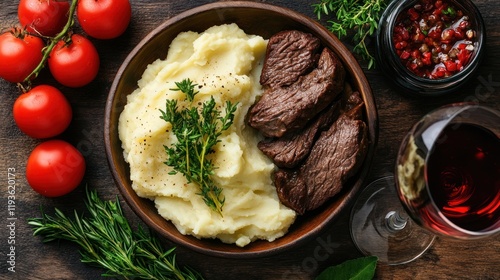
[[380, 226]]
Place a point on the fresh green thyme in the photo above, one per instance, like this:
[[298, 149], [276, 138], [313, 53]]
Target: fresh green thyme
[[361, 17], [106, 240], [197, 130]]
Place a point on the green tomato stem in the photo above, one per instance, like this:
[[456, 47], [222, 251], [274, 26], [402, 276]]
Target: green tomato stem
[[52, 43]]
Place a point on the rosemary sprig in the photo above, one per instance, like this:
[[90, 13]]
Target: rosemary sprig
[[197, 130], [361, 16], [106, 240]]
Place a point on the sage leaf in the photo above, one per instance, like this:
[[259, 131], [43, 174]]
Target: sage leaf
[[356, 269]]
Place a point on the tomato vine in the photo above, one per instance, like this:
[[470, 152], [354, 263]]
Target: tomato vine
[[52, 43]]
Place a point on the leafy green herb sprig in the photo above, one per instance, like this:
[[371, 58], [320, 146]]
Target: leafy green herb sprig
[[107, 240], [197, 130], [360, 16]]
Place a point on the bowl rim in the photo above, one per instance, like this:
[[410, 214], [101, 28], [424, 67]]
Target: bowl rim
[[344, 54]]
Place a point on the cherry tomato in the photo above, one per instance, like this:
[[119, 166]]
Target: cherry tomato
[[103, 19], [55, 168], [45, 17], [75, 64], [42, 112], [19, 55]]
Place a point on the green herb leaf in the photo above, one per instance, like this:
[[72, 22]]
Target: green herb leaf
[[360, 17], [197, 130], [106, 240], [357, 269], [450, 11]]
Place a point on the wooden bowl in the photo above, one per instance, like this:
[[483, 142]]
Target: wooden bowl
[[254, 18]]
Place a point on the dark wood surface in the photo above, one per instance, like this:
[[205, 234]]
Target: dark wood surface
[[447, 259]]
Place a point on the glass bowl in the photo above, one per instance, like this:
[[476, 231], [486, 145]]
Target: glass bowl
[[392, 66]]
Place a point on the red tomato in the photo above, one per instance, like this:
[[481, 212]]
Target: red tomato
[[55, 168], [45, 17], [104, 19], [42, 112], [75, 64], [19, 56]]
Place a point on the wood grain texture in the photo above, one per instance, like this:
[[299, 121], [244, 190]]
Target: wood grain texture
[[448, 259]]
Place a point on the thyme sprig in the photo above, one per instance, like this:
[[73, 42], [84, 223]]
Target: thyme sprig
[[106, 240], [361, 16], [197, 130]]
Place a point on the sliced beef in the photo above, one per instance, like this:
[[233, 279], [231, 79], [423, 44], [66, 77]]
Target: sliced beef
[[289, 55], [352, 103], [287, 109], [288, 151], [315, 135], [335, 157], [291, 190]]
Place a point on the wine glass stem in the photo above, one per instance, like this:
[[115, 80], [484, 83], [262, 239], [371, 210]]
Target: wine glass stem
[[395, 220]]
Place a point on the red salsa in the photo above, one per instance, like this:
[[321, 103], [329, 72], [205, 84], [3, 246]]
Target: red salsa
[[434, 39]]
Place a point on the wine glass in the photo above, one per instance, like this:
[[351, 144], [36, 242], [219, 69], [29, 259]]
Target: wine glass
[[447, 179]]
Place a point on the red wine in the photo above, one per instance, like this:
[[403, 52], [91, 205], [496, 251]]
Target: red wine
[[463, 175]]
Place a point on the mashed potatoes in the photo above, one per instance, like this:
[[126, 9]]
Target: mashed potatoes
[[226, 64]]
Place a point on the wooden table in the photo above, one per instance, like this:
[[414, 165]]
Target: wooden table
[[448, 259]]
